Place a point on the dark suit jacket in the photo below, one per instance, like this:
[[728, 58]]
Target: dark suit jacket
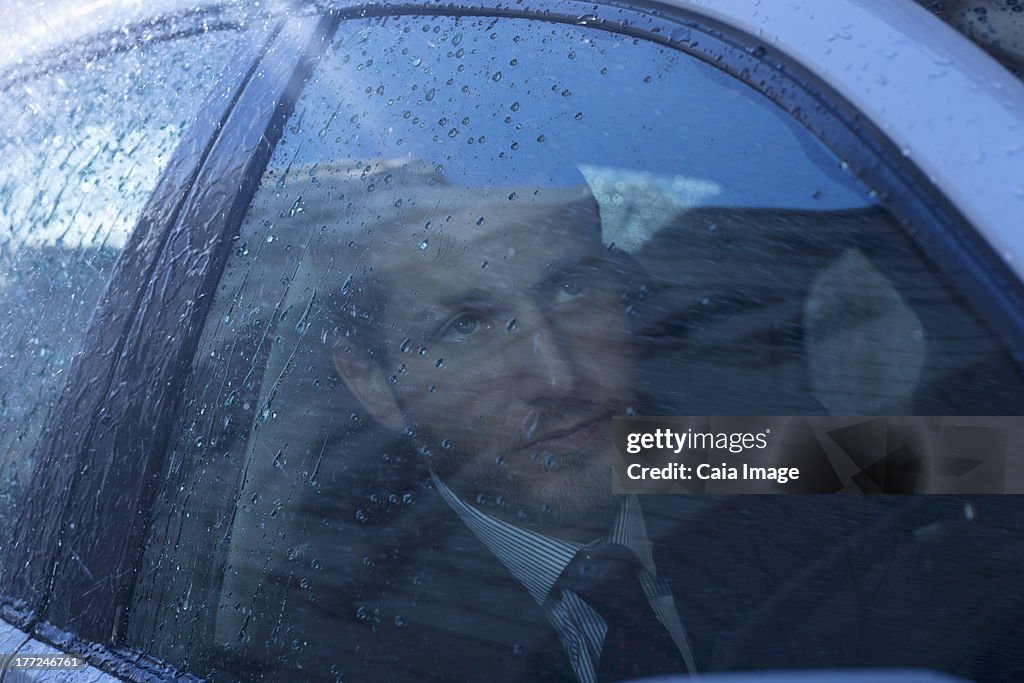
[[760, 582]]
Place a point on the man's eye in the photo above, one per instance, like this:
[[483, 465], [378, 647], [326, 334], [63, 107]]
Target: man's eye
[[570, 289], [464, 325]]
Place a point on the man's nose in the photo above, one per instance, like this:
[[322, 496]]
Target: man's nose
[[545, 359]]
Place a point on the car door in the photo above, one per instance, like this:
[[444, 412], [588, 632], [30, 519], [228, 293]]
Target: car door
[[777, 253]]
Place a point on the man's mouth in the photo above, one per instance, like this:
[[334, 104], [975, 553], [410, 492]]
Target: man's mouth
[[562, 441]]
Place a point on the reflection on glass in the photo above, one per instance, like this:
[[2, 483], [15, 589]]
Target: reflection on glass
[[468, 254]]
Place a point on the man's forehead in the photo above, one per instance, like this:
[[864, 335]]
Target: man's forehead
[[438, 224], [374, 217], [479, 224]]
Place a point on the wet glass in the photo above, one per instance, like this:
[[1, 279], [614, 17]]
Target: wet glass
[[478, 241], [83, 147]]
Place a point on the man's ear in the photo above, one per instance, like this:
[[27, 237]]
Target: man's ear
[[367, 383]]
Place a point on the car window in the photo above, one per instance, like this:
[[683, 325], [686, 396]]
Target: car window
[[83, 147], [478, 240]]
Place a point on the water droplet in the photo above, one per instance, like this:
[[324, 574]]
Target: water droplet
[[404, 348], [429, 95], [540, 138], [515, 106], [439, 363], [579, 116], [453, 132], [680, 34], [424, 245], [496, 77], [511, 325], [457, 39], [416, 61]]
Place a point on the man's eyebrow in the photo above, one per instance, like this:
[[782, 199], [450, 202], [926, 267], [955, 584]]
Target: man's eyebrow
[[568, 265], [469, 297]]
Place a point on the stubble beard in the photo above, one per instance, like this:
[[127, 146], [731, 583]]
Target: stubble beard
[[570, 493]]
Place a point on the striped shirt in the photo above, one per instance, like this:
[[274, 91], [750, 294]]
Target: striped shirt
[[537, 561]]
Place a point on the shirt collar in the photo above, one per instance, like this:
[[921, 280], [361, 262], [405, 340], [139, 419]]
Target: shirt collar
[[537, 560]]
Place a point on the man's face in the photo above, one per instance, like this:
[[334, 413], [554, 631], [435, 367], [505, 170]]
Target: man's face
[[508, 354]]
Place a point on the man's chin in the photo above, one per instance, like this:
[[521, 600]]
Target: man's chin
[[571, 491], [578, 498]]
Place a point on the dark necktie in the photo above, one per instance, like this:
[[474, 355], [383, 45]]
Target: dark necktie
[[636, 644]]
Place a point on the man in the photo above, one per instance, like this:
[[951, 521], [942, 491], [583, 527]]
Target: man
[[485, 337], [502, 347]]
